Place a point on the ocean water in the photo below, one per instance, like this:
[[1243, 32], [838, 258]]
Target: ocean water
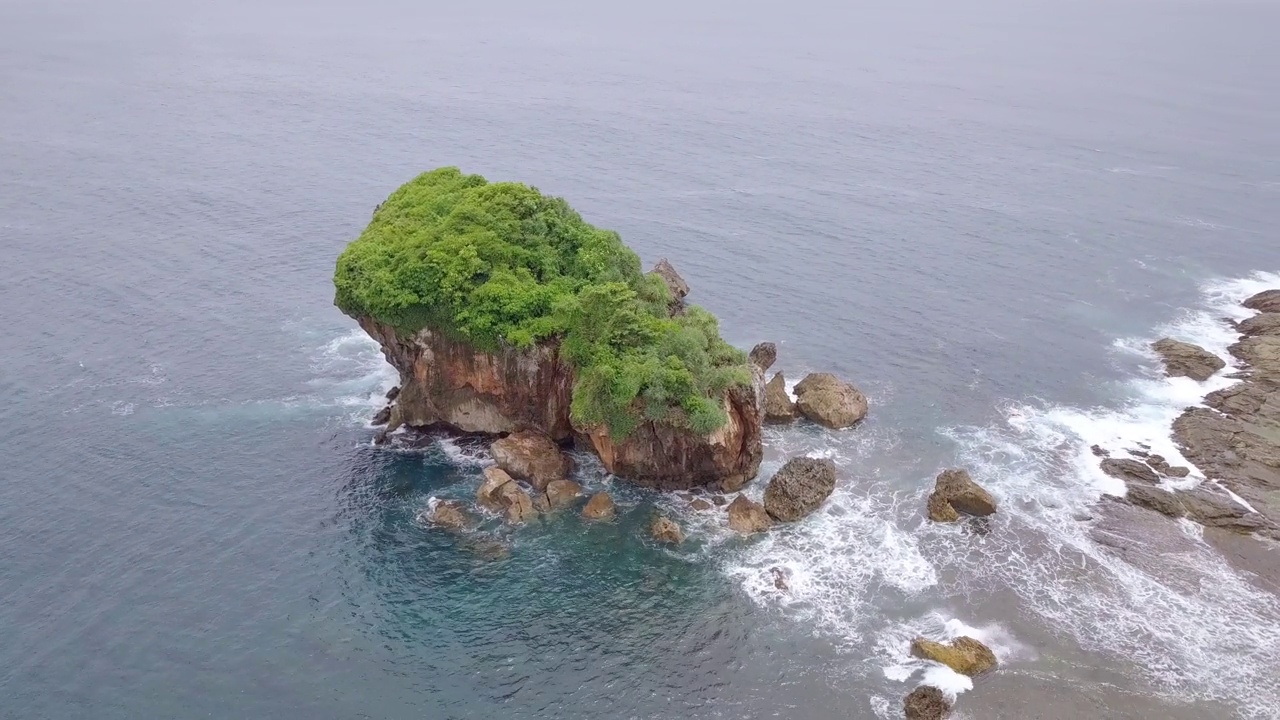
[[980, 211]]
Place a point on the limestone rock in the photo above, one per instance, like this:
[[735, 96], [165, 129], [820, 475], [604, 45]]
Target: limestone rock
[[1129, 470], [964, 655], [666, 530], [599, 507], [799, 488], [778, 405], [448, 514], [561, 493], [926, 703], [957, 489], [747, 517], [531, 456], [487, 495], [1267, 323], [764, 355], [1267, 301], [828, 400], [1182, 359], [940, 510]]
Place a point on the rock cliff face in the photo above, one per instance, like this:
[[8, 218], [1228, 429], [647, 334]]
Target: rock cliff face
[[450, 384]]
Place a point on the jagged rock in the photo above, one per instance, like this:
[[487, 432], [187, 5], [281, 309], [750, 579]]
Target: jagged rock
[[957, 489], [964, 655], [599, 507], [518, 504], [562, 493], [781, 577], [940, 510], [1097, 450], [733, 484], [1182, 359], [1267, 301], [1130, 470], [666, 530], [393, 393], [541, 503], [1262, 354], [764, 355], [487, 495], [1162, 466], [383, 416], [448, 514], [926, 703], [719, 500], [828, 400], [778, 405], [1267, 323], [1153, 498], [531, 456], [748, 517], [701, 505], [799, 488], [676, 284]]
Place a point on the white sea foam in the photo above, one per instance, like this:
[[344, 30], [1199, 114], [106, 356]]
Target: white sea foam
[[352, 373]]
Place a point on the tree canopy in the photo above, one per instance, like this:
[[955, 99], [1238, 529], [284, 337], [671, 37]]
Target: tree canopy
[[501, 264]]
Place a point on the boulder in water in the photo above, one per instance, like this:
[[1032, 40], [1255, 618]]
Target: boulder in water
[[531, 456], [964, 655], [562, 493], [747, 517], [448, 514], [955, 488], [799, 488], [487, 495], [940, 510], [599, 507], [830, 401], [926, 703], [701, 505], [1182, 359], [778, 405], [665, 530]]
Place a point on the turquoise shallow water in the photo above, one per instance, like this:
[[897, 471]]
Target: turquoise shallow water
[[977, 211]]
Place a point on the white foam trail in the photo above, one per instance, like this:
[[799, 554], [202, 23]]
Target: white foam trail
[[352, 373]]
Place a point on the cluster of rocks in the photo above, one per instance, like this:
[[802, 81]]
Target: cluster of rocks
[[964, 654], [1234, 441], [820, 397]]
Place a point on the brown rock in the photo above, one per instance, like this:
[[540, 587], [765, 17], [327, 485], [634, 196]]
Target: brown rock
[[665, 530], [531, 456], [828, 400], [1129, 470], [1153, 498], [448, 514], [1267, 323], [701, 505], [926, 703], [764, 355], [940, 510], [562, 493], [1267, 301], [748, 517], [962, 493], [1183, 359], [599, 507], [799, 488], [541, 503], [676, 284], [964, 655], [778, 405], [518, 504], [487, 495]]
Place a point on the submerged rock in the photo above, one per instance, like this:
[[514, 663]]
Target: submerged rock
[[1129, 470], [957, 490], [926, 703], [964, 655], [532, 457], [830, 401], [719, 500], [778, 405], [1182, 359], [748, 517], [599, 507], [781, 577], [799, 488], [701, 505], [665, 530], [448, 514]]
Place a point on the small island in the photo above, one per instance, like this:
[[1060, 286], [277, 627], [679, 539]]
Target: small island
[[504, 312]]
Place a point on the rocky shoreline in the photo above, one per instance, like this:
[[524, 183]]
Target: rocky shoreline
[[1234, 440]]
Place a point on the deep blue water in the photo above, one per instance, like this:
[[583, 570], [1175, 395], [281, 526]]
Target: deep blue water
[[973, 209]]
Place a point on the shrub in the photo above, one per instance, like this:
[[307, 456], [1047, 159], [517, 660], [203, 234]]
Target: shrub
[[501, 264]]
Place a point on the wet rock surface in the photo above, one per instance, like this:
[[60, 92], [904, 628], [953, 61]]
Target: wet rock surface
[[799, 487], [964, 654], [830, 401], [954, 492], [748, 517]]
